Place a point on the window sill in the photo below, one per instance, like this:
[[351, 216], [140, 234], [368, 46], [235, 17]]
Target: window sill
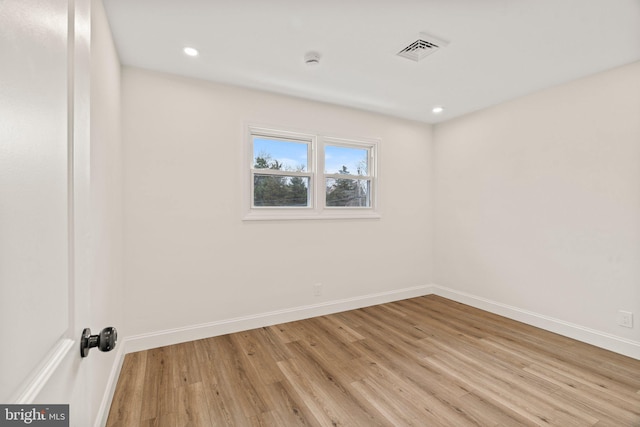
[[323, 215]]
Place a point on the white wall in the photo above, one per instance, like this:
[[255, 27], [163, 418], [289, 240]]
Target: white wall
[[190, 259], [538, 203]]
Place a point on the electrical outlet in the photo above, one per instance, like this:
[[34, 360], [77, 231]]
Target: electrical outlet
[[625, 318], [317, 289]]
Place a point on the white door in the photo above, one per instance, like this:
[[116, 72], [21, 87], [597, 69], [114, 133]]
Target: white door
[[44, 159]]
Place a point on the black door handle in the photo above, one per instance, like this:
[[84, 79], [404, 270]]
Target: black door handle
[[105, 341]]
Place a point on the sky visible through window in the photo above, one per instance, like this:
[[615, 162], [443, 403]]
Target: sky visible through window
[[293, 156], [355, 159]]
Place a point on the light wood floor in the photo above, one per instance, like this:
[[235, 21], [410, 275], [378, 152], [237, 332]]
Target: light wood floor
[[424, 361]]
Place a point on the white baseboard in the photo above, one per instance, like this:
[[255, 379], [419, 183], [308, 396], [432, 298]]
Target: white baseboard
[[600, 339], [227, 326], [110, 389], [189, 333]]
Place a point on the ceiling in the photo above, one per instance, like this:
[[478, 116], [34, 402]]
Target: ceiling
[[498, 49]]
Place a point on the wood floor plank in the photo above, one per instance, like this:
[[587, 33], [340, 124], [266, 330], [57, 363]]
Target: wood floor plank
[[317, 399], [224, 409], [597, 404], [320, 338], [330, 387], [596, 376], [410, 393], [343, 330], [155, 366], [501, 393], [271, 343], [261, 368], [128, 398], [289, 406], [192, 406], [425, 361], [235, 370], [490, 413], [521, 383]]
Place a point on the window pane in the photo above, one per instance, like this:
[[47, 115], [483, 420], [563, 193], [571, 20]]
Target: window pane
[[346, 160], [269, 190], [348, 192], [280, 154]]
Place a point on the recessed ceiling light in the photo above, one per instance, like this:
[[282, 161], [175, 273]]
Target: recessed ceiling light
[[190, 51], [437, 109]]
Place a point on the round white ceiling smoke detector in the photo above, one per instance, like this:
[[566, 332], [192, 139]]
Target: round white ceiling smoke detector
[[312, 58]]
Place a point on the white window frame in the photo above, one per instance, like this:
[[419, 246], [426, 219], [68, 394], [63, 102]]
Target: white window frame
[[317, 208], [371, 173]]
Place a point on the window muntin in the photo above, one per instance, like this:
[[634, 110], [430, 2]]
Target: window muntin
[[305, 176]]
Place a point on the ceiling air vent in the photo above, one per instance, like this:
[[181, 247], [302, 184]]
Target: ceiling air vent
[[424, 46]]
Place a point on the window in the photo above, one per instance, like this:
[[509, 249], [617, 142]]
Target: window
[[281, 172], [346, 175], [292, 175]]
